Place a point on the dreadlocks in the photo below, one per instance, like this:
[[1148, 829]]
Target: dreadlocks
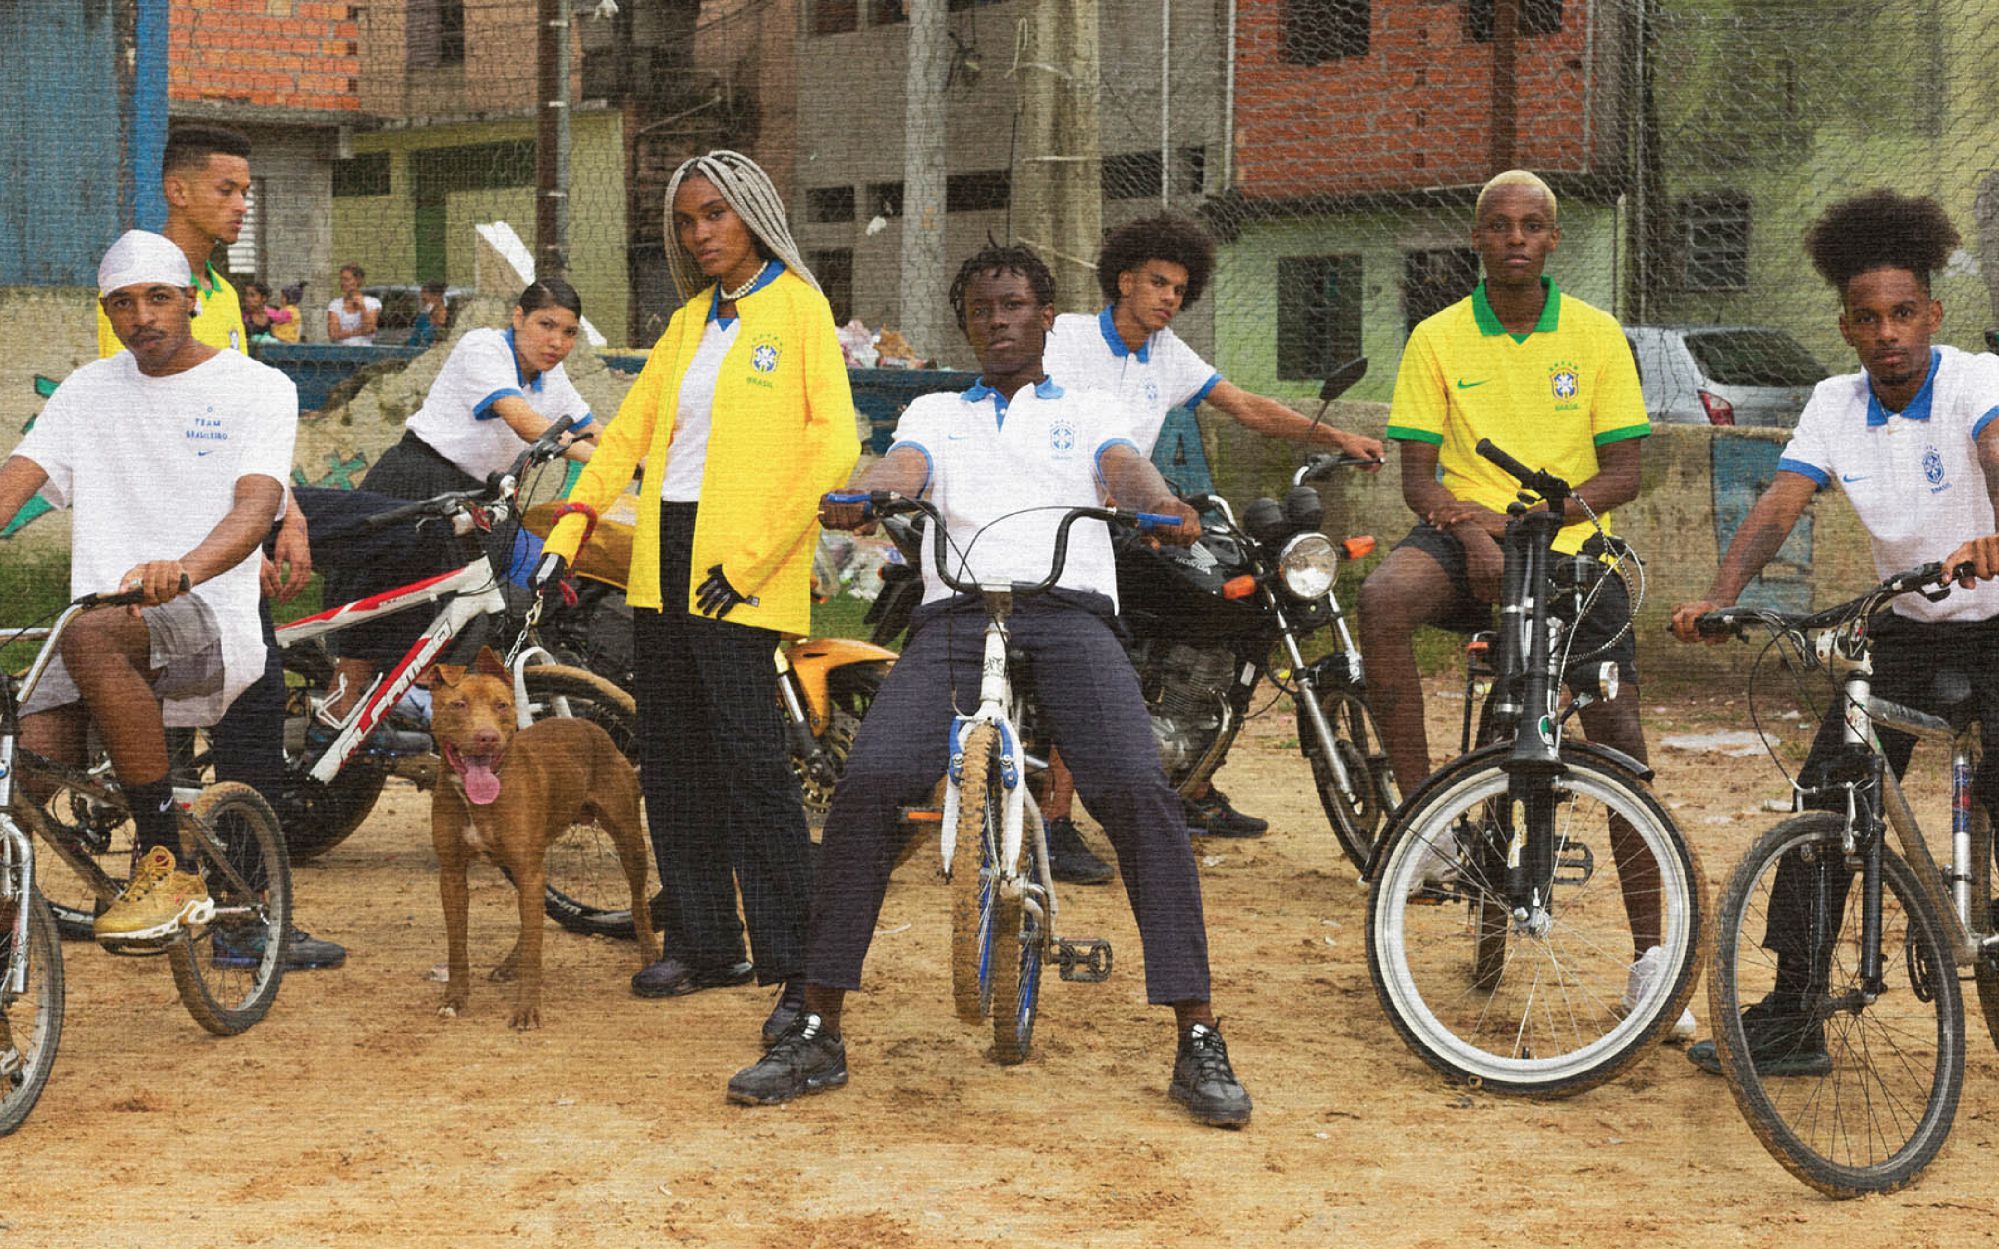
[[1880, 230], [993, 259], [746, 189]]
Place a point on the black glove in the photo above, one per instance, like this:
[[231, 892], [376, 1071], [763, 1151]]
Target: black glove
[[716, 597]]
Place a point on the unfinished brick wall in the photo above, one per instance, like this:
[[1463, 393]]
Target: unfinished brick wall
[[293, 54]]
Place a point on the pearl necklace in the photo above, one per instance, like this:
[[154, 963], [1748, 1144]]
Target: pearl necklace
[[731, 296]]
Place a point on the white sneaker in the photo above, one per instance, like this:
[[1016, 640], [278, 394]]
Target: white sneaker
[[1439, 864], [1645, 975]]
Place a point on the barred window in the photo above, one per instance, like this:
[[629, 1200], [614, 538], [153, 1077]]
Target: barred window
[[1317, 31], [829, 203], [1714, 238], [835, 270], [835, 17], [1131, 175], [434, 33], [1537, 17], [367, 173], [884, 199], [1318, 314], [976, 192]]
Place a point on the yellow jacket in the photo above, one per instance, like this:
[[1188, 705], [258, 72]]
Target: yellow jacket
[[782, 434]]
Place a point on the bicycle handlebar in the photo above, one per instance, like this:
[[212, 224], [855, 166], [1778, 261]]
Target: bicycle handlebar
[[1540, 481], [1736, 619], [125, 598], [499, 486], [1322, 465]]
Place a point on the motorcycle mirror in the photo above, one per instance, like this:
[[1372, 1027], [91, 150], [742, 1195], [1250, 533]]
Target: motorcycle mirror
[[1343, 379]]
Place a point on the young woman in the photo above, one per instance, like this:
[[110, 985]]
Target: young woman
[[743, 418], [351, 319]]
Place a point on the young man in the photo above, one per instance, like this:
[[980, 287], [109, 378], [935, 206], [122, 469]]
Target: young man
[[173, 456], [1550, 380], [1150, 272], [1913, 441], [1003, 459]]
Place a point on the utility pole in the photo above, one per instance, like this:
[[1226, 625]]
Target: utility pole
[[926, 319], [1505, 100], [1058, 187], [551, 147]]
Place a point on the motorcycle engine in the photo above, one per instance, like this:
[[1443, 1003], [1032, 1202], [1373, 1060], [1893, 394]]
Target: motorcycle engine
[[1187, 689]]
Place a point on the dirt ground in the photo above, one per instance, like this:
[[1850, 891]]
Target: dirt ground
[[354, 1115]]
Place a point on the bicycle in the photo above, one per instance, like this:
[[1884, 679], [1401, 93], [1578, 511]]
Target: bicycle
[[228, 830], [1491, 940], [1873, 1111], [1003, 914]]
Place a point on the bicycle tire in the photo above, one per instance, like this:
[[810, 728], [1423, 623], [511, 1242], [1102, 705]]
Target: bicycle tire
[[317, 816], [975, 873], [1016, 975], [1356, 822], [228, 1000], [22, 1088], [586, 890], [1804, 1120], [1985, 917], [1504, 1028]]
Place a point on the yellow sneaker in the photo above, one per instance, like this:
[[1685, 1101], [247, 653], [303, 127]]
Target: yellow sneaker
[[157, 903]]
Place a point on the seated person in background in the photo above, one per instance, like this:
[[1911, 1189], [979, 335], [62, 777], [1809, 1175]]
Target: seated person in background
[[351, 319], [172, 455], [433, 315]]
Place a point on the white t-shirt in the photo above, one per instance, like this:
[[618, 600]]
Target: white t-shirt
[[1912, 476], [1087, 353], [693, 415], [148, 467], [458, 419], [1003, 472], [352, 320]]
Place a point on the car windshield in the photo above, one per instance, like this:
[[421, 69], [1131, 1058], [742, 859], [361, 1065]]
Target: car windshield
[[1753, 358]]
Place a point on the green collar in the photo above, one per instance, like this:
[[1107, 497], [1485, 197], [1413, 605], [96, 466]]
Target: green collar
[[1488, 320], [214, 282]]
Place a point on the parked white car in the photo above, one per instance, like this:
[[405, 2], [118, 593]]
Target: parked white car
[[1749, 375]]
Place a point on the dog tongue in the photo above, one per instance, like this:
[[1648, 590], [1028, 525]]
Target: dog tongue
[[481, 786]]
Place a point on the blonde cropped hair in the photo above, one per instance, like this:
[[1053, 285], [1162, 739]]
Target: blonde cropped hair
[[1516, 177], [745, 188]]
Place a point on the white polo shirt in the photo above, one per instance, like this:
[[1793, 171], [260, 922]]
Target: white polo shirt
[[458, 418], [1912, 476], [1087, 352], [1003, 471], [148, 466]]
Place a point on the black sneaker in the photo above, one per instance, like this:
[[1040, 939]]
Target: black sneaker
[[1782, 1042], [1212, 816], [238, 950], [1204, 1082], [790, 1001], [1071, 861], [804, 1060]]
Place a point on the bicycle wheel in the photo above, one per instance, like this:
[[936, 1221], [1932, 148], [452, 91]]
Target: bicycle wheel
[[1357, 820], [586, 890], [1984, 916], [317, 817], [975, 873], [1548, 1009], [228, 972], [1879, 1109], [1019, 925], [30, 1022]]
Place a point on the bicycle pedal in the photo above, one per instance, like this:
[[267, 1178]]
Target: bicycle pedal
[[1086, 962], [1575, 865], [138, 949]]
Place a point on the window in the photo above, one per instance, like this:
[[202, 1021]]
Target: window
[[1191, 178], [434, 33], [1318, 314], [244, 254], [976, 192], [884, 199], [1537, 17], [835, 271], [890, 12], [1317, 31], [365, 174], [829, 203], [1131, 175], [835, 17], [1434, 280], [1714, 238]]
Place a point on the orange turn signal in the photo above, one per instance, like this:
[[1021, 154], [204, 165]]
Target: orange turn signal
[[1239, 587], [1477, 646], [1359, 547]]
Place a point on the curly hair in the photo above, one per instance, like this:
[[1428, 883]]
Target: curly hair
[[1171, 237], [994, 258], [1880, 230]]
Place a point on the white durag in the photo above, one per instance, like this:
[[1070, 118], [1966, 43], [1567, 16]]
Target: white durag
[[142, 258], [747, 189]]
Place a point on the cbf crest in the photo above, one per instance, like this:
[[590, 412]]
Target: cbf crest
[[1564, 385], [765, 353], [1061, 436], [1933, 470]]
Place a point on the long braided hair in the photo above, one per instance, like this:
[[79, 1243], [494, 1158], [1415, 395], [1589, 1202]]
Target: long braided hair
[[747, 189]]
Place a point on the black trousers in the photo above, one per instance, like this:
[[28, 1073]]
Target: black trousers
[[1807, 901], [722, 804], [1084, 683]]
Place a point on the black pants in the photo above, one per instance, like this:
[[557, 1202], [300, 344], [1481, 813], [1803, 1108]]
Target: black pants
[[722, 804], [1084, 683], [1808, 900]]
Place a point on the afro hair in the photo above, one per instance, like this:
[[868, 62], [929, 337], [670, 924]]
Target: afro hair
[[1880, 230], [1181, 240]]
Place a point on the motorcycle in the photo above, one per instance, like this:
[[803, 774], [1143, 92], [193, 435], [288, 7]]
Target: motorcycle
[[1209, 622]]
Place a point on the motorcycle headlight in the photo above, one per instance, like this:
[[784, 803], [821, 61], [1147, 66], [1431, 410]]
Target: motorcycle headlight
[[1308, 565]]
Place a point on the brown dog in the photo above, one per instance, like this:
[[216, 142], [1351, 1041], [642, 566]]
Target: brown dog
[[505, 796]]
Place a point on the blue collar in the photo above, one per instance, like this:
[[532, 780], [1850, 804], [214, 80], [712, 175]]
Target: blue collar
[[1919, 407], [765, 277], [980, 392], [1108, 322], [519, 375]]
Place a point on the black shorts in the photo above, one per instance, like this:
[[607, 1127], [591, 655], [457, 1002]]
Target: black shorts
[[1466, 614]]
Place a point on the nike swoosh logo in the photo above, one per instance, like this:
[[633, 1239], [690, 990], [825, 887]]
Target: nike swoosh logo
[[199, 454], [1853, 477], [1465, 385]]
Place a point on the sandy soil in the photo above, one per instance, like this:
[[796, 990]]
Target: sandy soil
[[355, 1116]]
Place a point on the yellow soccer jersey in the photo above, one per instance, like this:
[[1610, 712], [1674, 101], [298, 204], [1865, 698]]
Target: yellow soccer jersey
[[218, 322], [1548, 398]]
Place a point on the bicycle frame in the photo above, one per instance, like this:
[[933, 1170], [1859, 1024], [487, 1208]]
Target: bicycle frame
[[995, 703]]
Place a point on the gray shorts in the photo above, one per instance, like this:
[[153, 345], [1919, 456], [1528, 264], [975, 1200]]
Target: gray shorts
[[186, 652]]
